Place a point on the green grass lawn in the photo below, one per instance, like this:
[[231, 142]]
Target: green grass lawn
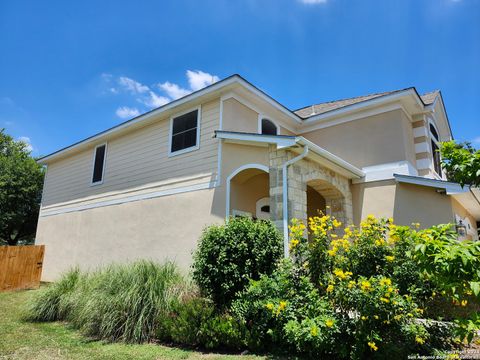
[[24, 340]]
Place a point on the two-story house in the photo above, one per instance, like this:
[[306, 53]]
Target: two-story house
[[147, 187]]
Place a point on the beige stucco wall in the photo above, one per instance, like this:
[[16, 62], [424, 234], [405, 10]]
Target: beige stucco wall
[[246, 192], [137, 158], [376, 198], [239, 117], [373, 140], [406, 203], [162, 228]]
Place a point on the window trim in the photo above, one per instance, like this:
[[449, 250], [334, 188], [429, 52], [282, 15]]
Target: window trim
[[170, 136], [92, 183], [260, 118]]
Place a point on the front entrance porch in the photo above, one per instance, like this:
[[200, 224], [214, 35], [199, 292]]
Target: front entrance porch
[[257, 190]]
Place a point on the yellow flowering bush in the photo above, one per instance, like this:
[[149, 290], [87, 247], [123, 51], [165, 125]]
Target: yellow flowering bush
[[350, 292]]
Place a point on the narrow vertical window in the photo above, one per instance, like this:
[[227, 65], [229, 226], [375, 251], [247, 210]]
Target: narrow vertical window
[[437, 165], [98, 164]]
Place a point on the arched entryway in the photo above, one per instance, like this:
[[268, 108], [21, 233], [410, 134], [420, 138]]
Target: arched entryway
[[248, 192], [324, 196]]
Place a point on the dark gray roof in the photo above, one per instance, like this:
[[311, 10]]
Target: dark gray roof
[[325, 107]]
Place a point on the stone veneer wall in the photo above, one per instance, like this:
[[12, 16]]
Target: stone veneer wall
[[332, 186]]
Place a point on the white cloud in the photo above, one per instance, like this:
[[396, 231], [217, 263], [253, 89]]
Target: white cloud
[[198, 79], [132, 86], [313, 1], [148, 97], [154, 100], [125, 112], [26, 140], [173, 90]]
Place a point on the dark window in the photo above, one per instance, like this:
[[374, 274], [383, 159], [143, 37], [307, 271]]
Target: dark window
[[436, 159], [268, 127], [265, 208], [98, 164], [434, 132], [184, 131]]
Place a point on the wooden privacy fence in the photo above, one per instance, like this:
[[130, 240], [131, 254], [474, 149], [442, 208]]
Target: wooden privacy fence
[[20, 266]]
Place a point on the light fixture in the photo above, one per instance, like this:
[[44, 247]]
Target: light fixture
[[461, 228]]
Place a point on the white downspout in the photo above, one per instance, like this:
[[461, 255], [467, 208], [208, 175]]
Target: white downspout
[[285, 198]]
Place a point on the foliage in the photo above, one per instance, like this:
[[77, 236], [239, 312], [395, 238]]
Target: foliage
[[231, 254], [22, 340], [119, 302], [194, 321], [21, 182], [454, 267], [461, 162], [278, 308]]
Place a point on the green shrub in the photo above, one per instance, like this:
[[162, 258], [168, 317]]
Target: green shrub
[[194, 322], [50, 303], [279, 308], [231, 254], [119, 302]]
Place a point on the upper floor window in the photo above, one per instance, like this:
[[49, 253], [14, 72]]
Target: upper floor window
[[269, 127], [184, 132], [99, 164], [437, 164], [434, 132]]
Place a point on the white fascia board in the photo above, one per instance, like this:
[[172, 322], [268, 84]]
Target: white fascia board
[[376, 101], [356, 172], [449, 187], [281, 141]]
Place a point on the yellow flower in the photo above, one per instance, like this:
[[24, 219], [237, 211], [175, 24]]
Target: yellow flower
[[397, 317], [373, 346], [379, 242], [385, 300], [370, 217], [314, 331], [376, 317], [364, 318], [330, 288], [329, 323], [390, 258], [332, 252], [464, 302], [342, 274], [294, 243], [390, 220], [419, 340], [365, 285], [385, 282], [336, 223], [282, 305], [269, 306], [351, 284]]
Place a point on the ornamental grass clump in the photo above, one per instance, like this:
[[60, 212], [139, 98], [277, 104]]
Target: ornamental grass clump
[[116, 303]]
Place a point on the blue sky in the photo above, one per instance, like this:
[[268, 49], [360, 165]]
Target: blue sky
[[69, 69]]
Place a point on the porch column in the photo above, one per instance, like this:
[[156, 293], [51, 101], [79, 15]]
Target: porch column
[[297, 195]]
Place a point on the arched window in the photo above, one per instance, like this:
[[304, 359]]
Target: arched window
[[269, 127]]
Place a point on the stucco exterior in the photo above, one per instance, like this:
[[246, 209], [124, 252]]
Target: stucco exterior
[[153, 205]]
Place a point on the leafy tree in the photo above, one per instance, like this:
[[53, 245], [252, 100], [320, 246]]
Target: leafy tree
[[21, 181], [461, 162]]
